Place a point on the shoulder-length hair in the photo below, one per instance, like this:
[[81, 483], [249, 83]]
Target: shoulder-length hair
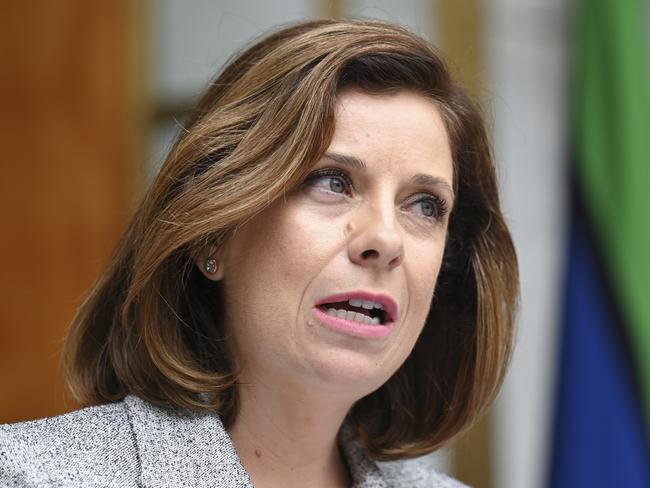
[[152, 326]]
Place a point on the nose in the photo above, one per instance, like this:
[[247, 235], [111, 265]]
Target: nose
[[375, 239]]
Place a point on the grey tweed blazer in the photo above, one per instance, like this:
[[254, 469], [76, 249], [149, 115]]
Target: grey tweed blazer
[[135, 444]]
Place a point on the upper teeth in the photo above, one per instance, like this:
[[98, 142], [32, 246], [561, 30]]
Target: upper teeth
[[367, 304]]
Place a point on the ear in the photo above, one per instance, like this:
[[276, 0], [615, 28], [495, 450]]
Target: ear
[[210, 264]]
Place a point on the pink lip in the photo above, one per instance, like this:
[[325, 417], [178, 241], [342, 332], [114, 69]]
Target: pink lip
[[356, 328], [390, 307]]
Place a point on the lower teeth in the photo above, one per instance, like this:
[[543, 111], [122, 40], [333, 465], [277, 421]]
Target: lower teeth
[[353, 316]]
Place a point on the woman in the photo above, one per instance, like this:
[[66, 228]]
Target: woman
[[319, 278]]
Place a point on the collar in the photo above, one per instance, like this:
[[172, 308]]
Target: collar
[[187, 449], [364, 471], [183, 449]]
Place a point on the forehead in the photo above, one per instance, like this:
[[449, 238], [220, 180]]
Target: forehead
[[403, 129]]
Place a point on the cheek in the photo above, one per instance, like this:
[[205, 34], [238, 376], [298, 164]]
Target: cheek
[[423, 272], [274, 257], [422, 267], [306, 242], [263, 246]]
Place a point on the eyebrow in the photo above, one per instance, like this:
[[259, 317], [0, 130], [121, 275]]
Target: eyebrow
[[419, 179], [347, 160]]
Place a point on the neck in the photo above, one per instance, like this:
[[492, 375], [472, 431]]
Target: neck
[[289, 438]]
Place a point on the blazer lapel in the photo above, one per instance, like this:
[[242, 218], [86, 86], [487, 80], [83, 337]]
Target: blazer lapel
[[183, 449], [364, 471]]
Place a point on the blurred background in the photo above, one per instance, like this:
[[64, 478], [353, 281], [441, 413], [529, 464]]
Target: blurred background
[[93, 94]]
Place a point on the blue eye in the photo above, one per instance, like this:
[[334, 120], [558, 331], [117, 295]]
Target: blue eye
[[331, 180], [430, 207], [337, 185], [427, 208]]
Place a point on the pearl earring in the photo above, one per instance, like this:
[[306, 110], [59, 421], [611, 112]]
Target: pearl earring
[[211, 266]]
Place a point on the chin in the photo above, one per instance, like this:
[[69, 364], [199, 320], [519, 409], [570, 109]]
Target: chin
[[349, 371]]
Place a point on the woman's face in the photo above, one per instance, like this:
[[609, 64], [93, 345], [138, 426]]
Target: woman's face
[[306, 280]]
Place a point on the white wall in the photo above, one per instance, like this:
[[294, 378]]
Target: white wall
[[526, 60], [417, 15], [192, 39]]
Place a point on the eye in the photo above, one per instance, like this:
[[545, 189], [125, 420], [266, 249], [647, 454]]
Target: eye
[[429, 207], [330, 180]]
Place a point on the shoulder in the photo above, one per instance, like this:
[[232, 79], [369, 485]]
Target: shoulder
[[125, 444], [417, 472], [63, 450]]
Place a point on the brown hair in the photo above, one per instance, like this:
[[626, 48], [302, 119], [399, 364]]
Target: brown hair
[[152, 325]]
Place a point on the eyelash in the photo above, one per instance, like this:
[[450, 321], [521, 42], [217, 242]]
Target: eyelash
[[439, 204], [332, 173]]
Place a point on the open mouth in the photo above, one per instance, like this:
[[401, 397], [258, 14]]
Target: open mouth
[[356, 310]]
